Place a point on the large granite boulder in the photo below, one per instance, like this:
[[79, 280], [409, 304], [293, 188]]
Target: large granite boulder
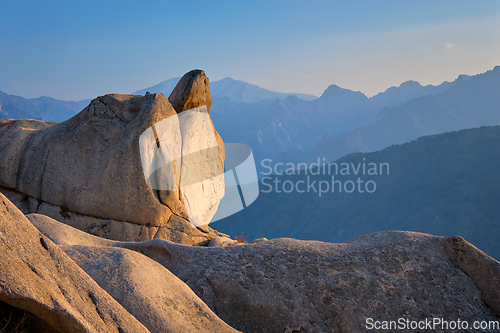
[[38, 277], [286, 285], [126, 167]]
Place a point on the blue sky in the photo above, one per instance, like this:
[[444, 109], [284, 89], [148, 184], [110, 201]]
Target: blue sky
[[74, 50]]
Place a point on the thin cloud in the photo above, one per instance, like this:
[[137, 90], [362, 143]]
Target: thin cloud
[[447, 46]]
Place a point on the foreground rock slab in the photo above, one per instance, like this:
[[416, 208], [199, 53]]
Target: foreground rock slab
[[37, 276], [153, 295], [286, 285]]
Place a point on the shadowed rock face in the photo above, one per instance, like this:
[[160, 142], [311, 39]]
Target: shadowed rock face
[[36, 276], [87, 171], [286, 285]]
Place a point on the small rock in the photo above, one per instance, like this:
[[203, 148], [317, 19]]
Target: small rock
[[221, 241], [259, 240]]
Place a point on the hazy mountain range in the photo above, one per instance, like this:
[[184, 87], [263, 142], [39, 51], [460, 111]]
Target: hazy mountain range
[[272, 126], [42, 108], [235, 90], [50, 109], [446, 184], [299, 128], [470, 102]]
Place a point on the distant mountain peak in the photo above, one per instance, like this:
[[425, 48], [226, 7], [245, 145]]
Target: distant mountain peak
[[164, 87], [334, 91], [462, 78], [228, 79], [410, 83]]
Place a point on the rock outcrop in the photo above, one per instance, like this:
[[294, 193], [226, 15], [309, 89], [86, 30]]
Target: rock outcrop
[[286, 285], [126, 167]]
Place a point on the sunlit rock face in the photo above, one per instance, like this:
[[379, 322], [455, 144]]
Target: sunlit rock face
[[181, 152], [127, 167]]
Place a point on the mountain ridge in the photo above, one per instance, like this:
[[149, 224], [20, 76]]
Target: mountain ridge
[[13, 106], [41, 108], [274, 127], [472, 101]]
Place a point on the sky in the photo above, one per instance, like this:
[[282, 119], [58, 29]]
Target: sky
[[74, 50]]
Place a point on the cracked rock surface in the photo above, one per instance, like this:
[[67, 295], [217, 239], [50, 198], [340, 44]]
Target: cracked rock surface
[[287, 285]]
